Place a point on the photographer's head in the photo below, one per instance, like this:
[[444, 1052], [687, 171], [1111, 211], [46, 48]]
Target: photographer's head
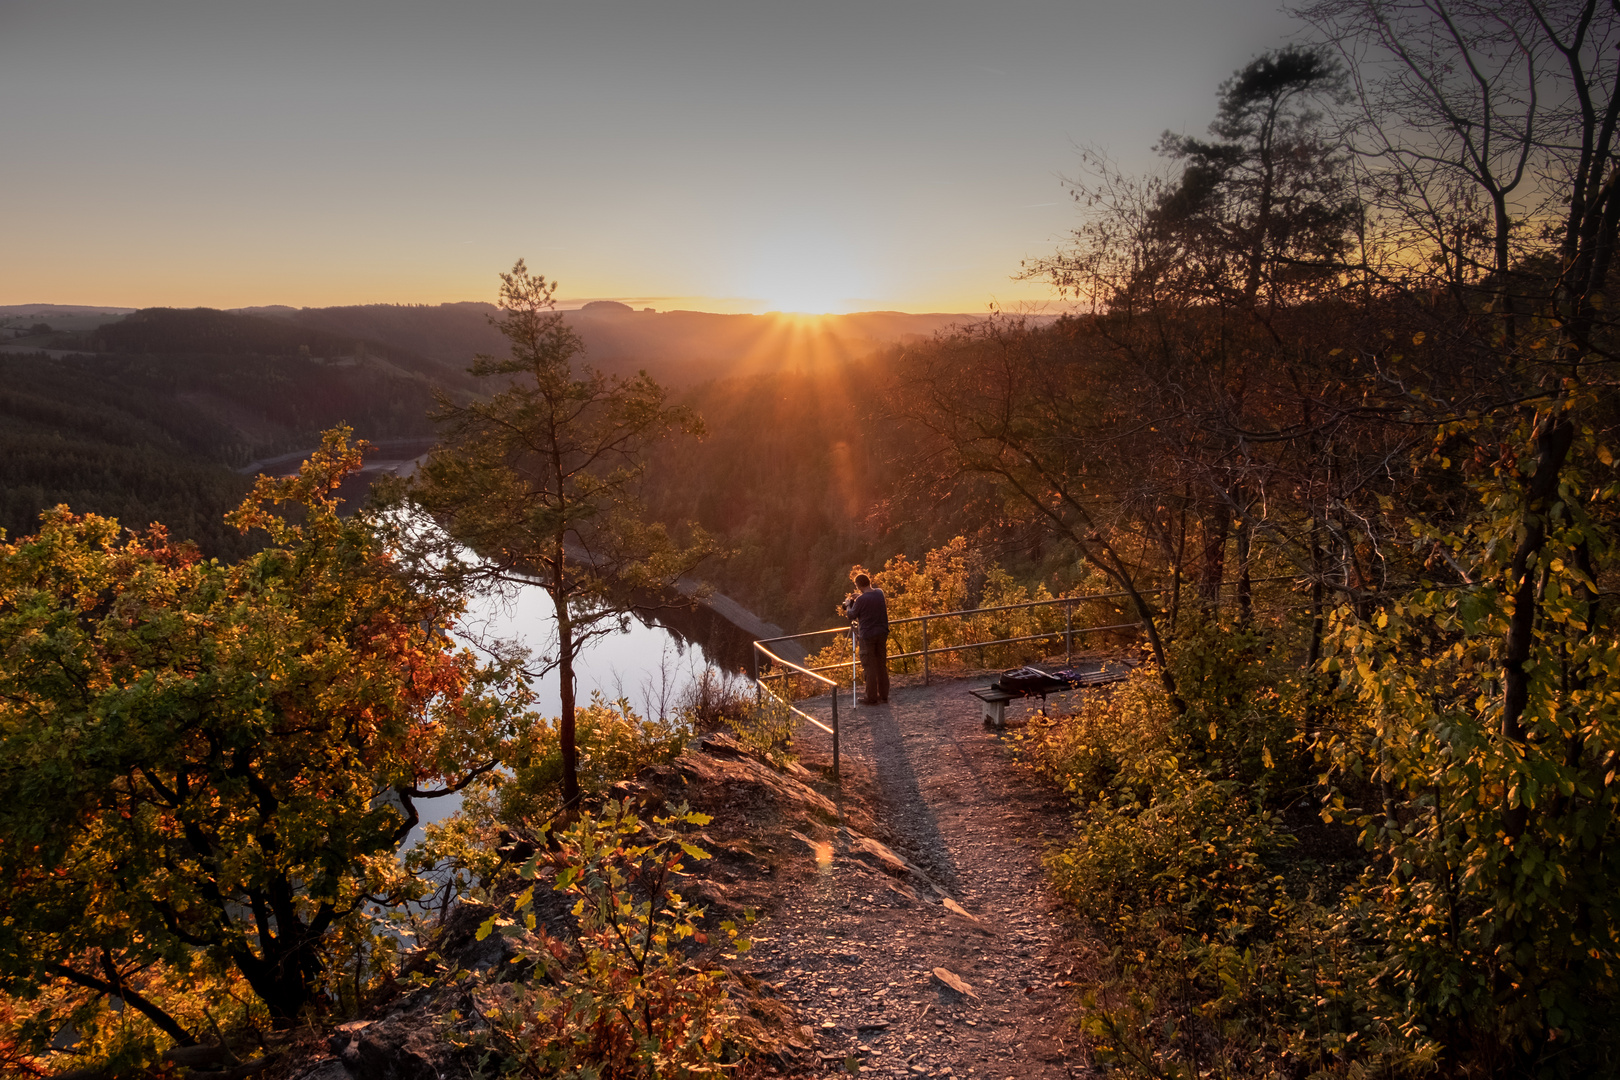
[[862, 582]]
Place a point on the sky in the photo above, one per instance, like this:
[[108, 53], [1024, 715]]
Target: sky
[[816, 155]]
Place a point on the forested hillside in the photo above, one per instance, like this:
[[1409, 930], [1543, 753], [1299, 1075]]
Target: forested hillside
[[1361, 820], [804, 474], [679, 348], [152, 421], [161, 407]]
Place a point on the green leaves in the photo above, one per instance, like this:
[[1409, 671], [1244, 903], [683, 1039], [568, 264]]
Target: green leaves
[[622, 999], [1492, 807]]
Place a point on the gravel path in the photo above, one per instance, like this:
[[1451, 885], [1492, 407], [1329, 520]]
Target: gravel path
[[857, 955]]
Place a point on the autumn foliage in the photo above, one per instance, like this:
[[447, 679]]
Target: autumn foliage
[[206, 769]]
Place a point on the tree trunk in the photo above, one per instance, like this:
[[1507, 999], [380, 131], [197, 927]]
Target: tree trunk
[[1504, 294], [279, 980], [1217, 524], [1177, 568], [1262, 227], [1313, 653], [565, 723], [1149, 618], [113, 986], [1552, 440], [1245, 587]]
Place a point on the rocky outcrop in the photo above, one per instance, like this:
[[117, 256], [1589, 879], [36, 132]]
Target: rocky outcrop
[[756, 807]]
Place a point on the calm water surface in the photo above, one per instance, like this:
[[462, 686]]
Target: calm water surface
[[651, 664]]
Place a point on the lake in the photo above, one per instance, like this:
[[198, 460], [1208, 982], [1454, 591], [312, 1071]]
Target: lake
[[663, 650]]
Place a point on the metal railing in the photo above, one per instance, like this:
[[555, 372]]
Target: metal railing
[[1069, 632], [928, 651], [760, 688]]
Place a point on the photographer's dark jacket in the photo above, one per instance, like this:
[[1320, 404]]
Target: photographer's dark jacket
[[871, 610]]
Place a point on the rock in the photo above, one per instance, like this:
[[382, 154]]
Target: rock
[[746, 769], [821, 849], [905, 892], [720, 744], [881, 855], [458, 941], [330, 1069], [954, 981], [398, 1053]]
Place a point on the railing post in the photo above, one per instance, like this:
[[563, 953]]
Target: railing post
[[925, 650], [835, 732], [854, 668], [1068, 632]]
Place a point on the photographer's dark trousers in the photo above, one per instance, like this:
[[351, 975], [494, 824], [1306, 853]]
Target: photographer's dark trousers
[[875, 663]]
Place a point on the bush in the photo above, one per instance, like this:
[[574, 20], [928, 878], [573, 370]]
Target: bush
[[622, 1000], [1246, 702], [614, 743], [714, 700], [1158, 840], [1225, 951], [459, 854], [766, 729]]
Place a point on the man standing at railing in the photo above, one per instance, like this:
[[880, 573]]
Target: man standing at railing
[[870, 612]]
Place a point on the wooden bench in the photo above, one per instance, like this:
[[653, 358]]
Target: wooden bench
[[994, 698]]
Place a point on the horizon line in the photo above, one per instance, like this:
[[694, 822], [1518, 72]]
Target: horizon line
[[638, 303]]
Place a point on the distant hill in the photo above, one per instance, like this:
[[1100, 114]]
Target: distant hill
[[439, 341], [17, 321], [157, 414], [9, 310], [676, 347]]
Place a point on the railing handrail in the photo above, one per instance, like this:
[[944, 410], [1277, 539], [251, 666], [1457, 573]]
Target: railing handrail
[[795, 667], [807, 633], [1025, 604], [1015, 607], [1068, 633], [796, 710], [961, 647], [963, 611]]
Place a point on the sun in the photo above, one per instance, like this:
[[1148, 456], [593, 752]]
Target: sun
[[806, 271], [805, 298]]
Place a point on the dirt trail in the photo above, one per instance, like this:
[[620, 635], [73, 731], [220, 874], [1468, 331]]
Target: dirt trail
[[857, 954]]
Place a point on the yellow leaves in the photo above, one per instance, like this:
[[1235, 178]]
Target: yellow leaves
[[1418, 338]]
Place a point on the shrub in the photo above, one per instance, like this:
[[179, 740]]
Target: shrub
[[1246, 700], [714, 700], [614, 743], [766, 729], [1225, 953], [1158, 839], [623, 999]]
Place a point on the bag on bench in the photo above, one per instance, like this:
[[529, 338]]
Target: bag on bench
[[1027, 680]]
